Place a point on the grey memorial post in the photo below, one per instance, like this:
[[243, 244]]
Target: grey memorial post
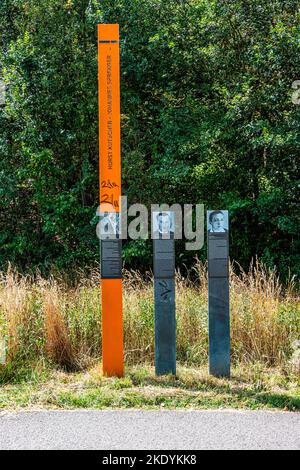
[[218, 293], [164, 295]]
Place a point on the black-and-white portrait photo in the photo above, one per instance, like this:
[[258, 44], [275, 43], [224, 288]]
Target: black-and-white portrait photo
[[109, 225], [217, 221], [163, 225]]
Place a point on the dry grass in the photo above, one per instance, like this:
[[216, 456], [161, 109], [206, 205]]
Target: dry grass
[[57, 338], [47, 321], [265, 317]]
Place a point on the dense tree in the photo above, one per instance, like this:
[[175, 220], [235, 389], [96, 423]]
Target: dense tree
[[207, 116]]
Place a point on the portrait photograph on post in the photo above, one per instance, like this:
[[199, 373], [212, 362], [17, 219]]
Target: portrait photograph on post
[[109, 225], [163, 225], [217, 221]]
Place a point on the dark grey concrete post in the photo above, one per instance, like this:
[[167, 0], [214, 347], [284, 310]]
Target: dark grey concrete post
[[218, 293], [165, 316]]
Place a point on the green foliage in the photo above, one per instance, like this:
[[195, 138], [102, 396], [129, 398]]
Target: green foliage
[[207, 117]]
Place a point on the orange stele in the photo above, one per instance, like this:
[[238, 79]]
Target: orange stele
[[110, 188], [112, 328], [109, 115]]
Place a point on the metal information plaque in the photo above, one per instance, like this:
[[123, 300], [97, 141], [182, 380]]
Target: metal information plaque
[[164, 259], [218, 293], [164, 294], [111, 259]]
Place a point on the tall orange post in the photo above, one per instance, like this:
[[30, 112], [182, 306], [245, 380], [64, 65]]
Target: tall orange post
[[110, 192]]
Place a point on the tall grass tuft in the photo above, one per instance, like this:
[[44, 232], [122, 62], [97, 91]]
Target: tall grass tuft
[[51, 321], [58, 345]]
